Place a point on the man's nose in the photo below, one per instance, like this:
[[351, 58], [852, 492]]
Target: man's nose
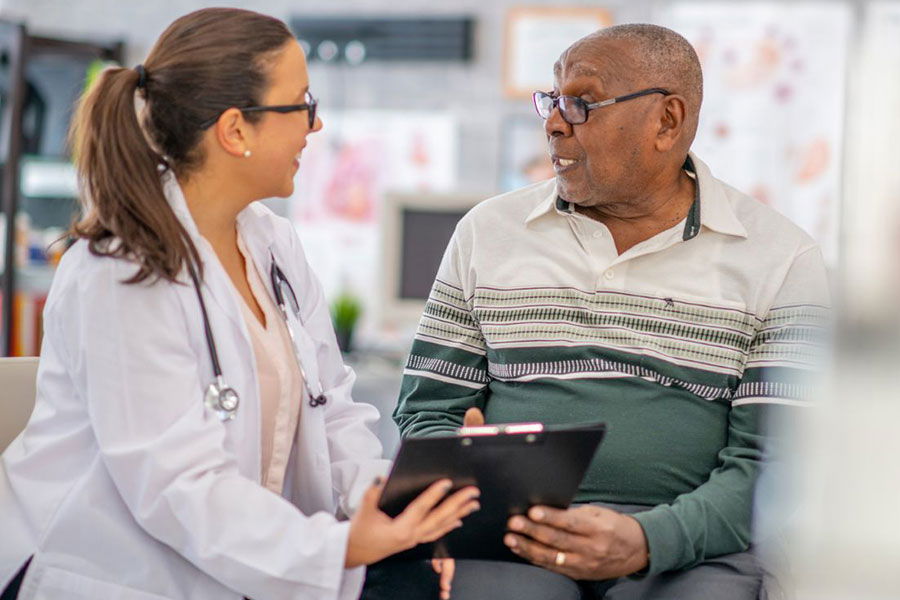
[[555, 124]]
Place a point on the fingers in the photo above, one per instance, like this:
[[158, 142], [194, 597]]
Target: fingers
[[448, 569], [474, 418], [370, 498], [573, 520], [422, 505], [449, 514], [426, 523], [552, 537], [540, 554]]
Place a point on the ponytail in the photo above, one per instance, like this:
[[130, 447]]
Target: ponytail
[[202, 64], [126, 214]]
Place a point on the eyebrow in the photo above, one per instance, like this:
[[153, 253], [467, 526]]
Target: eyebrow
[[580, 70]]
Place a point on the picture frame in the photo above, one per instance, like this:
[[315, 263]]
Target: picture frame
[[534, 37]]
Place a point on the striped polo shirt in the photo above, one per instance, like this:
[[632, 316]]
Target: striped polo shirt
[[680, 344]]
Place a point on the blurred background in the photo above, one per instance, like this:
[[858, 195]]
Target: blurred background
[[426, 109]]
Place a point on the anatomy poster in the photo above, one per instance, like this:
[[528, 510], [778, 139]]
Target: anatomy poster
[[345, 171], [774, 100]]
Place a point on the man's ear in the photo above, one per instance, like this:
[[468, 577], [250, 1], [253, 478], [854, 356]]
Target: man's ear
[[232, 132], [671, 122]]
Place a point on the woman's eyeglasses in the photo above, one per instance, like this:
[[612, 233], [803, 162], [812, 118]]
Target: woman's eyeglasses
[[574, 110], [310, 105]]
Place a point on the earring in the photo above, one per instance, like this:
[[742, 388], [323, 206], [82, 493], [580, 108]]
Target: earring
[[247, 154]]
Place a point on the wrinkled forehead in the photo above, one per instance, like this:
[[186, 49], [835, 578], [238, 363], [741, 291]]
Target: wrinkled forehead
[[606, 60]]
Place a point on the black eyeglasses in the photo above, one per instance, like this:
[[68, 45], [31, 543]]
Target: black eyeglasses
[[574, 110], [310, 105]]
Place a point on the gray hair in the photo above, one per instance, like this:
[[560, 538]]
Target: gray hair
[[660, 58]]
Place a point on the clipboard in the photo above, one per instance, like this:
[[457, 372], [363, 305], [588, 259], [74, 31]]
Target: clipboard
[[515, 466]]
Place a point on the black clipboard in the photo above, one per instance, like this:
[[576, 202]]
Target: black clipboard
[[515, 466]]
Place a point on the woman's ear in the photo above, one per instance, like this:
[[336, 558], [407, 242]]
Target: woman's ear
[[232, 132], [671, 122]]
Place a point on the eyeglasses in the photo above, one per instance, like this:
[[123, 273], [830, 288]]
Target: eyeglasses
[[574, 110], [310, 105]]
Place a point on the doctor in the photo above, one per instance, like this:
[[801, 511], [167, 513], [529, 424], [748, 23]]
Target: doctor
[[194, 435]]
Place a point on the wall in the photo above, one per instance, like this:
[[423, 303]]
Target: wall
[[471, 91]]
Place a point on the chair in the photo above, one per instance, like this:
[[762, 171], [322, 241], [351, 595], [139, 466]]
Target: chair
[[18, 379]]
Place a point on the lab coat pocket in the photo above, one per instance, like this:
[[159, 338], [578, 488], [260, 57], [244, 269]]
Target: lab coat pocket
[[52, 583]]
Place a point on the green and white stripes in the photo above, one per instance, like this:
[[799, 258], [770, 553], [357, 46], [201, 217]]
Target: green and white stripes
[[700, 347]]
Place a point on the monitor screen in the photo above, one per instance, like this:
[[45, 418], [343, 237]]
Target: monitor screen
[[424, 237]]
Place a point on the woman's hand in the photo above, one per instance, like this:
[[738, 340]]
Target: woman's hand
[[374, 535]]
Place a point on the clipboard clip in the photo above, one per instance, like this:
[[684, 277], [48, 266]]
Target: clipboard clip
[[513, 428]]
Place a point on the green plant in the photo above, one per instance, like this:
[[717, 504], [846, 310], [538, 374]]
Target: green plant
[[345, 312]]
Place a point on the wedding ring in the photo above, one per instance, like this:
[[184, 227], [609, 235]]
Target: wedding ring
[[560, 559]]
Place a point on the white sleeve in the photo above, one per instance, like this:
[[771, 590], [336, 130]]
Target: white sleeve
[[167, 455]]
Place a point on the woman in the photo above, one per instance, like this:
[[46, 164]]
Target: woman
[[136, 477]]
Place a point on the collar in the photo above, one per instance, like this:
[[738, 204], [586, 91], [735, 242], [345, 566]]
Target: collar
[[711, 208], [718, 214], [551, 202], [175, 197]]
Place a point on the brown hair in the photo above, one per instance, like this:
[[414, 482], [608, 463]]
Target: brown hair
[[203, 63]]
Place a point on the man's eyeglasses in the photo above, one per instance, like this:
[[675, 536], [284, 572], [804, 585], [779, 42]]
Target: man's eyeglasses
[[310, 105], [574, 110]]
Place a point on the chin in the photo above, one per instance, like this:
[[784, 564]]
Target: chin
[[284, 191], [572, 193]]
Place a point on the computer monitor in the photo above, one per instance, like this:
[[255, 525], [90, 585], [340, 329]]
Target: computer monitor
[[415, 231]]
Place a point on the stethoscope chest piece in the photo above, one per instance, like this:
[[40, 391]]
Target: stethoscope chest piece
[[222, 400]]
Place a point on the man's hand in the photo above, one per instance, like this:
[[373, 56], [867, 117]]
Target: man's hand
[[474, 418], [588, 542], [445, 567]]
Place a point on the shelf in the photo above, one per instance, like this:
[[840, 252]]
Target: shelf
[[34, 278], [48, 178]]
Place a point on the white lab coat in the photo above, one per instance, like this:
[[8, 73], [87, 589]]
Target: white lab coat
[[123, 485]]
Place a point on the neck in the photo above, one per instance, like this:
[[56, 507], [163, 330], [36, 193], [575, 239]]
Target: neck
[[214, 206], [637, 218], [658, 206]]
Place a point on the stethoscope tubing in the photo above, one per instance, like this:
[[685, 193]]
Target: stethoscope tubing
[[219, 389], [207, 329]]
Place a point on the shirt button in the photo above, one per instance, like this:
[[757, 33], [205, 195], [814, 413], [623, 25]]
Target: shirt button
[[598, 234], [609, 274]]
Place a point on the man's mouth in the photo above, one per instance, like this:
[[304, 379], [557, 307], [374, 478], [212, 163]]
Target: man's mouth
[[561, 163]]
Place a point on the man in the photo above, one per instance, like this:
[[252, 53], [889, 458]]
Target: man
[[637, 289]]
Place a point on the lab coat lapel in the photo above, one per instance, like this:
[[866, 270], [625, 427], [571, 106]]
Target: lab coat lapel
[[308, 477], [234, 346], [263, 243]]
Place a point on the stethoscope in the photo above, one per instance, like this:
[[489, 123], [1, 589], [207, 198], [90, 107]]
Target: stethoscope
[[219, 397]]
